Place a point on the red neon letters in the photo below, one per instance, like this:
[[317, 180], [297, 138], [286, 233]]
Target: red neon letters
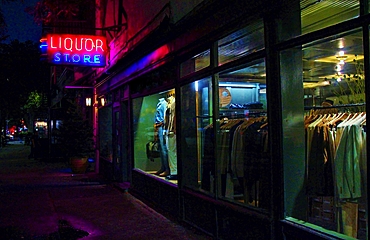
[[83, 50]]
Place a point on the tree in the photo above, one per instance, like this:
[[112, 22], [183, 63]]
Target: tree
[[21, 73], [76, 133], [3, 26], [34, 104], [47, 11]]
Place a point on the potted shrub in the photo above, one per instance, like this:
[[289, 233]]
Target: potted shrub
[[77, 138]]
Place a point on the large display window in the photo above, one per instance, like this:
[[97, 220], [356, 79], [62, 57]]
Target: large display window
[[239, 159], [154, 132], [325, 177], [242, 149], [225, 146], [197, 136]]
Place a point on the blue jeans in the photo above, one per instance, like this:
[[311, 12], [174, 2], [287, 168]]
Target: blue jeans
[[163, 151]]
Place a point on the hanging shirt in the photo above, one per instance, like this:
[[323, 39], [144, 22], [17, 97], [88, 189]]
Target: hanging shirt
[[170, 115], [347, 163], [160, 111], [320, 180]]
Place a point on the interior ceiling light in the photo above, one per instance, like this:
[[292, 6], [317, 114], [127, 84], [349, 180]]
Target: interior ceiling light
[[341, 57], [341, 43], [338, 68]]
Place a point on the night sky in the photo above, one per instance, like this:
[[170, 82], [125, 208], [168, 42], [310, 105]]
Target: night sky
[[20, 24]]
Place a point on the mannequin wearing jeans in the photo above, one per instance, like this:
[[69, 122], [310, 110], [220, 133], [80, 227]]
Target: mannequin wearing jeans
[[159, 129], [171, 137]]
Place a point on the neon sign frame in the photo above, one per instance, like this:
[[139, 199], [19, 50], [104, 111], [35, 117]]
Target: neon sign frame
[[77, 50]]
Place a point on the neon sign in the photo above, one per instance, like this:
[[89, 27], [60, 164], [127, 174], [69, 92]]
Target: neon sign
[[78, 50]]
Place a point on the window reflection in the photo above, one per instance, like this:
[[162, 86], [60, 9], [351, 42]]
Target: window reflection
[[195, 63], [241, 43], [334, 121], [316, 14]]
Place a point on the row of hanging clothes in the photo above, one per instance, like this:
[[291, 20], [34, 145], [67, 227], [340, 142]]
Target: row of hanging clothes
[[336, 162], [243, 158], [335, 153]]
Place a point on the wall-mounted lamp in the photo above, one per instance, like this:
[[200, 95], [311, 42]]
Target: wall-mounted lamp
[[102, 101], [88, 101]]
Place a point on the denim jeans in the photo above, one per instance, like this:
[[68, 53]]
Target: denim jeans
[[163, 151], [172, 154]]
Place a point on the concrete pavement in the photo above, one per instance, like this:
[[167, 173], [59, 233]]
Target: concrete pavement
[[43, 200]]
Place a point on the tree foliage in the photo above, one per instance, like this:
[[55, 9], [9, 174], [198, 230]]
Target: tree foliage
[[21, 73], [34, 101], [76, 133], [3, 25], [48, 11]]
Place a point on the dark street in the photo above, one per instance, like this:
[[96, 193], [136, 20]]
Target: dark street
[[43, 200]]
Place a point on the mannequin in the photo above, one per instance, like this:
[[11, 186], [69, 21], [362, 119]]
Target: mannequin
[[171, 137], [159, 124]]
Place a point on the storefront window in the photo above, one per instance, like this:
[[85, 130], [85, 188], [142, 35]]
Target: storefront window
[[195, 63], [197, 149], [324, 141], [317, 14], [155, 135], [241, 43], [243, 159]]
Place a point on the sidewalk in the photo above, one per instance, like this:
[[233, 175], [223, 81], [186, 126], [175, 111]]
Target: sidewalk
[[41, 200]]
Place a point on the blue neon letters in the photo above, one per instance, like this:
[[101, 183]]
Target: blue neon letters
[[83, 50]]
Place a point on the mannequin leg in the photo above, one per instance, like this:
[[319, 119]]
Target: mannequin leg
[[165, 169]]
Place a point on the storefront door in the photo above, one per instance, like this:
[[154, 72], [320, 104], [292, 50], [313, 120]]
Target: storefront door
[[117, 146]]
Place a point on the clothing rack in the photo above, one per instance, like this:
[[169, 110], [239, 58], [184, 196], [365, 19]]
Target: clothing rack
[[242, 113], [335, 106]]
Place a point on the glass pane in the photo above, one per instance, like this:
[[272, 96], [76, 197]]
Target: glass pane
[[105, 134], [243, 157], [241, 43], [326, 185], [197, 135], [195, 63], [155, 135], [316, 14]]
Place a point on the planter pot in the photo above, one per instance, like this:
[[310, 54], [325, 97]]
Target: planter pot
[[78, 164]]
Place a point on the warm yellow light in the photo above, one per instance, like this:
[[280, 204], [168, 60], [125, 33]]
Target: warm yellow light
[[341, 43], [102, 101], [326, 82], [88, 101]]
